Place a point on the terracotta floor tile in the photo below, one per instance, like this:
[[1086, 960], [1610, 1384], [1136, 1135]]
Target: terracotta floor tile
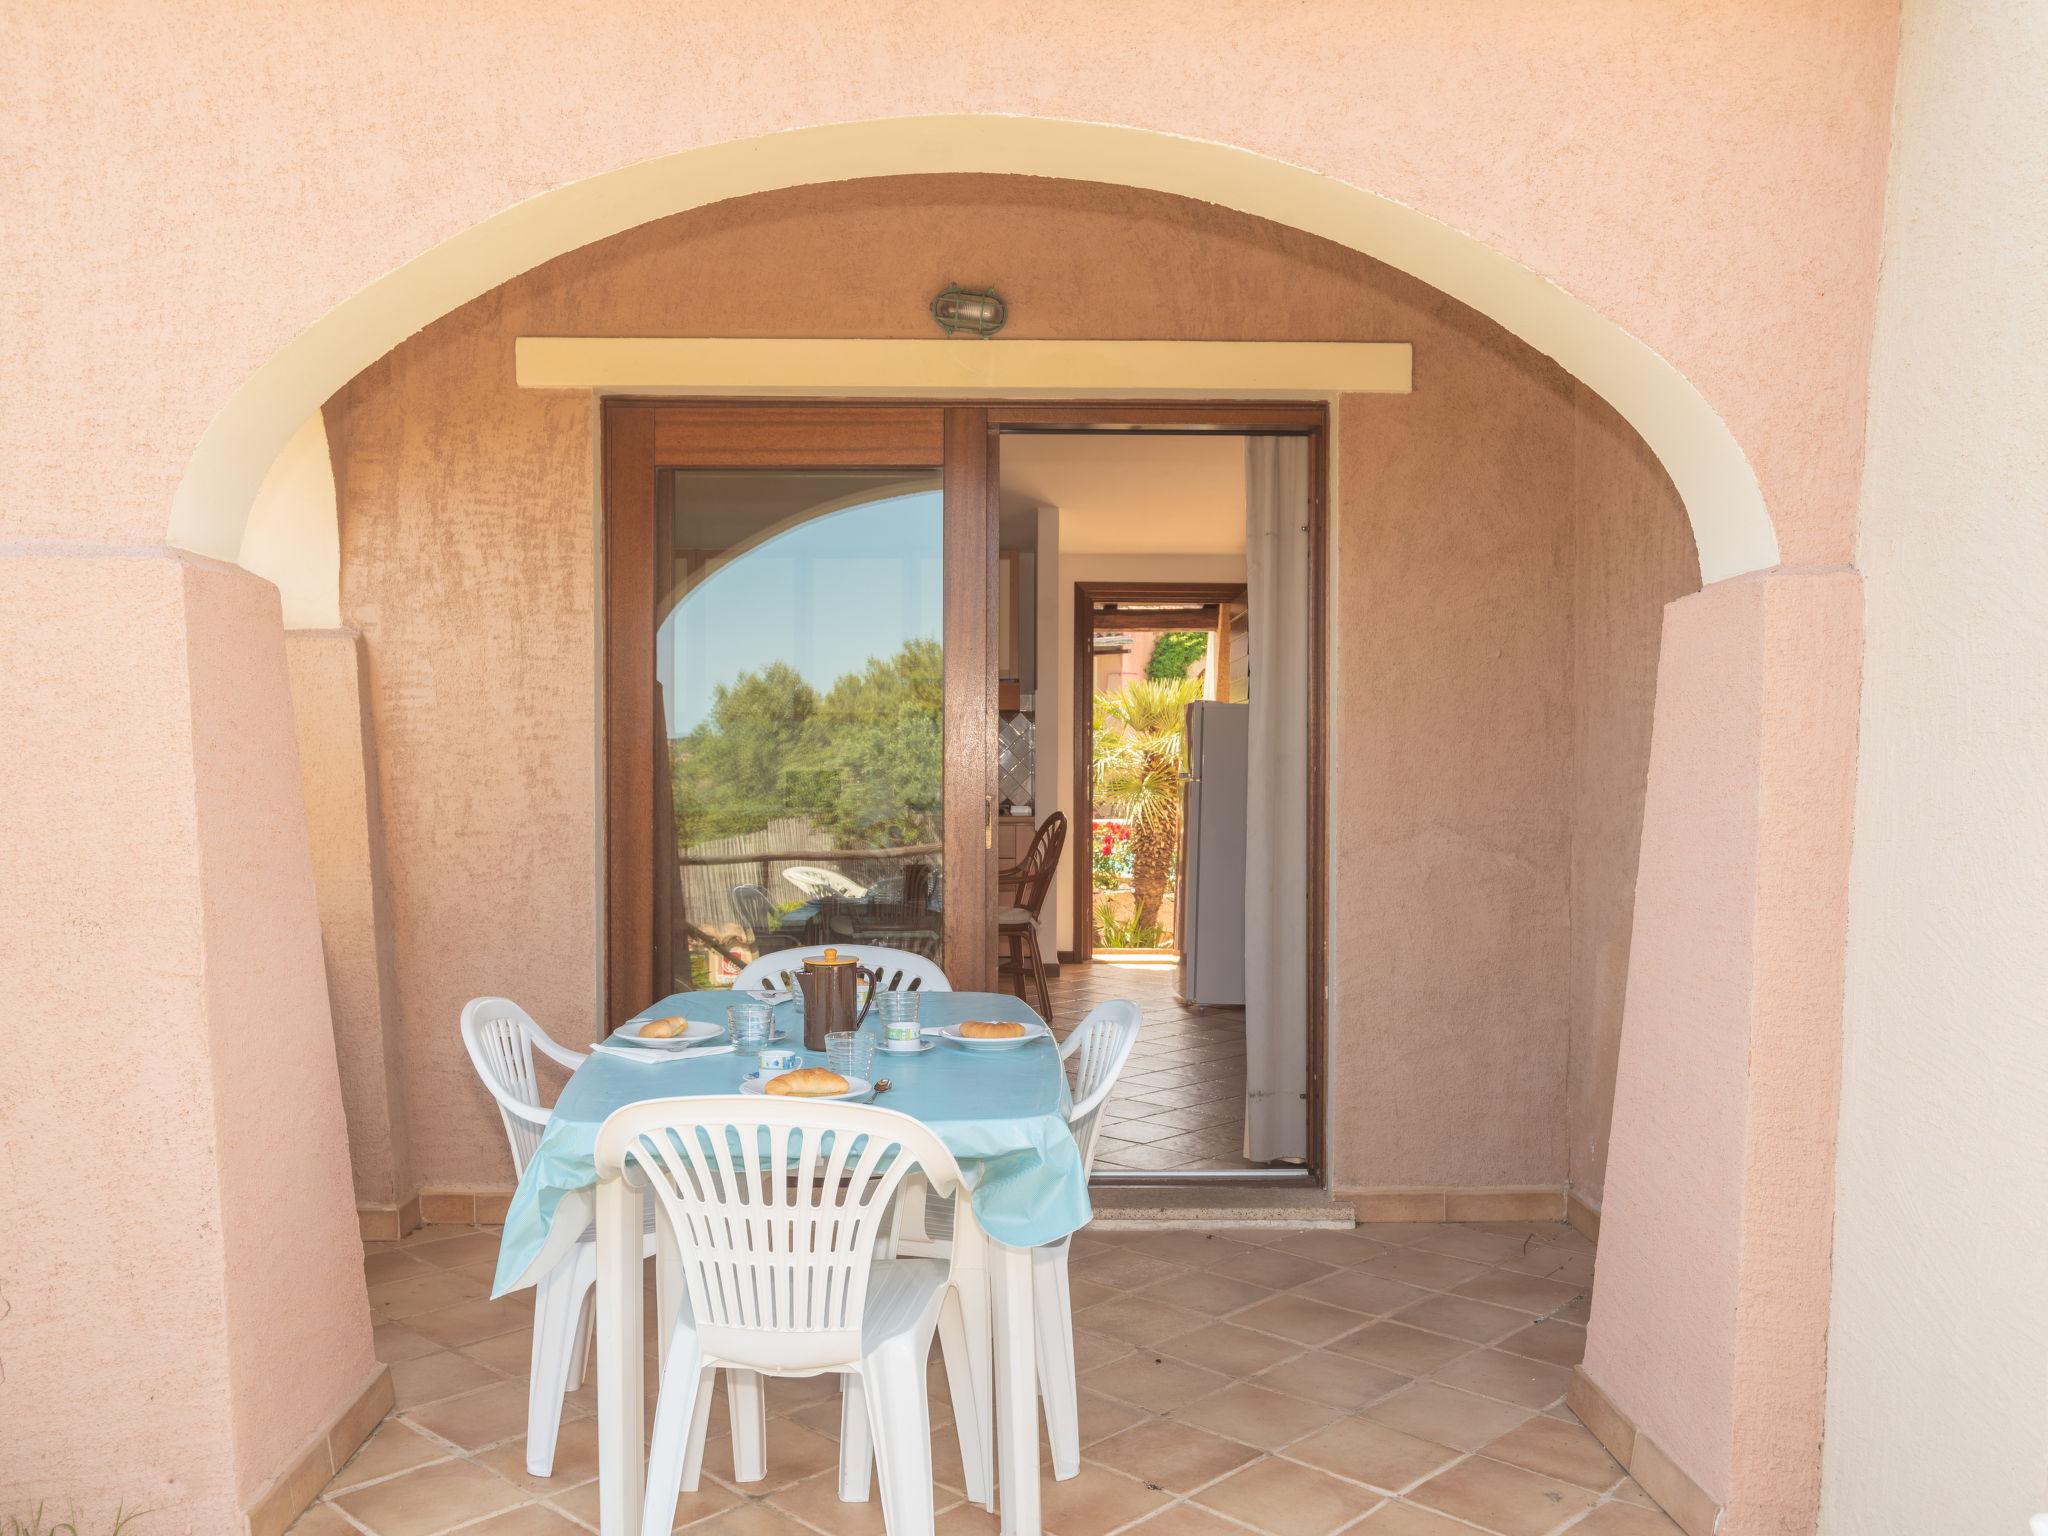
[[794, 1453], [1567, 1452], [392, 1264], [428, 1378], [816, 1501], [1578, 1311], [575, 1460], [1481, 1247], [1503, 1498], [1558, 1343], [1373, 1295], [1092, 1349], [323, 1520], [397, 1300], [1195, 1250], [1205, 1292], [468, 1248], [1084, 1292], [394, 1342], [1137, 1320], [468, 1321], [1256, 1416], [1275, 1271], [476, 1419], [1284, 1498], [1617, 1518], [510, 1354], [1463, 1318], [1296, 1317], [1156, 1383], [1553, 1264], [751, 1520], [1103, 1416], [1431, 1271], [1097, 1501], [709, 1499], [1447, 1416], [1512, 1378], [1126, 1269], [1338, 1380], [393, 1447], [1177, 1457], [1402, 1234], [1333, 1246], [1526, 1293], [430, 1499], [1407, 1520], [968, 1520], [1372, 1453], [1411, 1351], [1232, 1350], [1183, 1520], [529, 1520]]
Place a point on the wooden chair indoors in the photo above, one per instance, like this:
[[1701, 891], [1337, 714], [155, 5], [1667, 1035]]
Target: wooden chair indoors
[[1017, 923]]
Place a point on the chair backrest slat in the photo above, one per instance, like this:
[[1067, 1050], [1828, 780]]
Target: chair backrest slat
[[1032, 874], [501, 1038], [1103, 1043], [776, 1207], [901, 971]]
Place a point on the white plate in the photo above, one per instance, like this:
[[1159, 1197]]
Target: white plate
[[1031, 1032], [696, 1034], [859, 1090]]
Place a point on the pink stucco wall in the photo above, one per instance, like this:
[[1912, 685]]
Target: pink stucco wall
[[1631, 154], [183, 1303], [467, 565], [345, 822], [1710, 1302]]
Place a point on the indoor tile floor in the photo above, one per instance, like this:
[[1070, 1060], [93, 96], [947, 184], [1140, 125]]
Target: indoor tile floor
[[1387, 1381], [1180, 1103]]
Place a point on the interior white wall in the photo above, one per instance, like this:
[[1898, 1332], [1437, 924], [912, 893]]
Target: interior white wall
[[1106, 567], [293, 536], [1937, 1416], [1049, 721]]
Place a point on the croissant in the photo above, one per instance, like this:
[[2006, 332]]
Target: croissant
[[807, 1083], [663, 1029], [983, 1029]]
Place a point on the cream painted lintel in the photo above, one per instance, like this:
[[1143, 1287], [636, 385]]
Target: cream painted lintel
[[1182, 369]]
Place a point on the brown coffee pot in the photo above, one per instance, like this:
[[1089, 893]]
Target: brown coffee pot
[[831, 984]]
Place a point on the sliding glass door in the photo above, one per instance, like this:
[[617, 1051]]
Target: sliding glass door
[[800, 714]]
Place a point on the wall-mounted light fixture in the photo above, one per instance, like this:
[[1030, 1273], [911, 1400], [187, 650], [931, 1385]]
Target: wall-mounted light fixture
[[975, 311]]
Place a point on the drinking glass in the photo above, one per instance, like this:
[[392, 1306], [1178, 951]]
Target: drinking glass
[[751, 1025], [897, 1012], [851, 1053]]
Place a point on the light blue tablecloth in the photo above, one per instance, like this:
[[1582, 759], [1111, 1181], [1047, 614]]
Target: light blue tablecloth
[[1003, 1114]]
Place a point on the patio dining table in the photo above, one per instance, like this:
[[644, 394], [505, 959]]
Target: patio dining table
[[1003, 1114]]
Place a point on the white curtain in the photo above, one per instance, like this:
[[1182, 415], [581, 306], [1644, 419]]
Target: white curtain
[[1276, 830]]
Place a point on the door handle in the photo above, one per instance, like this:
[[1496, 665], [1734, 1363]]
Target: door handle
[[988, 821]]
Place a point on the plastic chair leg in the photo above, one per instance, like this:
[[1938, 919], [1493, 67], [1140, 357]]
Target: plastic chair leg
[[557, 1309], [1053, 1306], [856, 1448], [685, 1395], [586, 1337], [899, 1419], [746, 1400], [965, 1378]]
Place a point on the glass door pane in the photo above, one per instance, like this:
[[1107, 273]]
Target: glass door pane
[[800, 685]]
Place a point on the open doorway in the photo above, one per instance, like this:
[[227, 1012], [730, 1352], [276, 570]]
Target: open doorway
[[1127, 558]]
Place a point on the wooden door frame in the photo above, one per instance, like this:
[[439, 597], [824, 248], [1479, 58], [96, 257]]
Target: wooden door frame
[[973, 631], [1081, 714], [641, 438]]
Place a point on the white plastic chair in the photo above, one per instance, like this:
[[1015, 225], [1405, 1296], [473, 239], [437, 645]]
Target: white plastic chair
[[901, 971], [1103, 1042], [501, 1038], [774, 1209], [815, 881]]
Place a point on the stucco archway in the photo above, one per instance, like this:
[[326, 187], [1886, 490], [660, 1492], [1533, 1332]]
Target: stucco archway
[[1709, 468]]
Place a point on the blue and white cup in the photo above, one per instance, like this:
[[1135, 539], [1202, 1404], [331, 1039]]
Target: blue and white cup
[[780, 1060]]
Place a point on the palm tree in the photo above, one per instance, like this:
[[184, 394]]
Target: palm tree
[[1137, 759]]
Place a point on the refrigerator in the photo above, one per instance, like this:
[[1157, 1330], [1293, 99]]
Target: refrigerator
[[1209, 921]]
